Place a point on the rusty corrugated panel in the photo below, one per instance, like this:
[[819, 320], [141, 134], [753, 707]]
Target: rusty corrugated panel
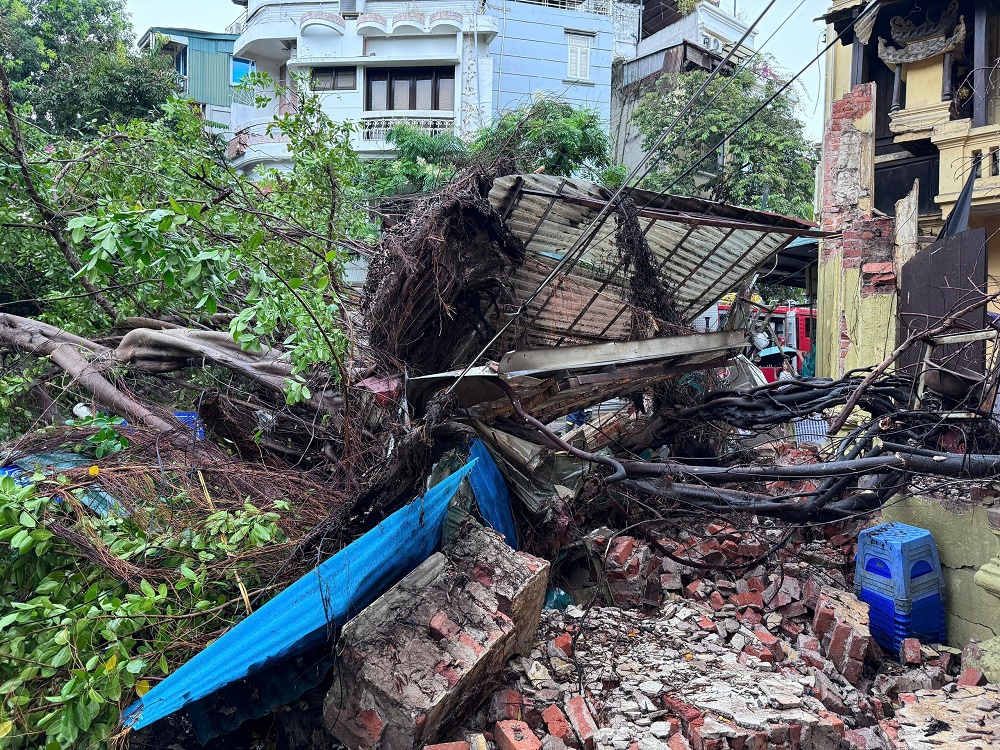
[[702, 249]]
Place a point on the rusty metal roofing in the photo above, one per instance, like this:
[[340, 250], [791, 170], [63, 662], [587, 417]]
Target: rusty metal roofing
[[702, 249]]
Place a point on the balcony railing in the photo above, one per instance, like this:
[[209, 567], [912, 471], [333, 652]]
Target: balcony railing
[[600, 7], [375, 128]]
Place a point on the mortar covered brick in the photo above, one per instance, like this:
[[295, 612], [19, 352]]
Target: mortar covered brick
[[515, 735], [445, 677], [581, 720], [841, 625]]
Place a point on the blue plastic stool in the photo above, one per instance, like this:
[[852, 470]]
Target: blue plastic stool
[[898, 574]]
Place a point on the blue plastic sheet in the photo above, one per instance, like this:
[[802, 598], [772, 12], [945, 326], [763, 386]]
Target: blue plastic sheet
[[491, 493], [307, 613]]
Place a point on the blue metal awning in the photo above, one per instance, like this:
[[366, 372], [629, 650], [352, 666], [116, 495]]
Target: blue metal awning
[[307, 613]]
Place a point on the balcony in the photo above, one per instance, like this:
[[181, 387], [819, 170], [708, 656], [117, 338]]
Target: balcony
[[268, 25], [965, 148], [376, 125], [599, 7]]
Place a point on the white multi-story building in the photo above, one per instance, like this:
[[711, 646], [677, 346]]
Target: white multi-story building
[[670, 42], [441, 66]]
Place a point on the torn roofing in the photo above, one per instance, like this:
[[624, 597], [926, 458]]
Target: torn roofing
[[308, 613], [703, 249]]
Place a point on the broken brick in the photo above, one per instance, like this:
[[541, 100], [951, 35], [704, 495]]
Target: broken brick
[[557, 725], [442, 627], [909, 651], [581, 720], [749, 599], [564, 643], [971, 677], [515, 735], [506, 704], [621, 550]]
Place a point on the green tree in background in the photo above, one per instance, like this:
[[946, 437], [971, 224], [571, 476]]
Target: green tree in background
[[547, 135], [768, 163], [74, 62]]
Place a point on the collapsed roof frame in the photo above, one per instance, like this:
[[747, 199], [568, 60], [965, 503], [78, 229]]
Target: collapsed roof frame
[[703, 250]]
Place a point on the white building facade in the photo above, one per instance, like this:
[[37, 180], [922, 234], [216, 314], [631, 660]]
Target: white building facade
[[440, 66]]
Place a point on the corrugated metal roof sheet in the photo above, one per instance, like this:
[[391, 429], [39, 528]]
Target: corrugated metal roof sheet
[[703, 249]]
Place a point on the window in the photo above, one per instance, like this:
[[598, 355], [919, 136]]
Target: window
[[334, 79], [241, 69], [410, 89], [579, 56], [181, 62]]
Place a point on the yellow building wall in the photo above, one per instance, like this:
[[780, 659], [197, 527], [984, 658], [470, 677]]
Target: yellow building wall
[[861, 328], [838, 72], [965, 543], [923, 82]]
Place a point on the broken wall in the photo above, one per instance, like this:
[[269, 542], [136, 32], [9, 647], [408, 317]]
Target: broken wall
[[857, 277]]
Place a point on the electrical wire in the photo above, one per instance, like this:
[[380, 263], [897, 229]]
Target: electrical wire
[[872, 5], [587, 236]]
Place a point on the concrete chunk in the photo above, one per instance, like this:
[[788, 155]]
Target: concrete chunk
[[403, 682]]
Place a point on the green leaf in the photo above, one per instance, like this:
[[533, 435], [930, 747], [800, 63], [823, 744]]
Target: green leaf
[[135, 666], [62, 657], [8, 619], [26, 519]]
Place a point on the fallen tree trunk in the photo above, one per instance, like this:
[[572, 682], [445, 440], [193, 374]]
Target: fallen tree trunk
[[151, 352]]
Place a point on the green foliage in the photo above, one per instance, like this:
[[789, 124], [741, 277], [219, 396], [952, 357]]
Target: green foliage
[[73, 61], [107, 439], [15, 416], [93, 86], [548, 134], [423, 162], [769, 159], [160, 220], [78, 644]]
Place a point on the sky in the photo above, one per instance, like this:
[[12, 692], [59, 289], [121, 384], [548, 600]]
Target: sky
[[205, 15], [797, 39], [794, 44]]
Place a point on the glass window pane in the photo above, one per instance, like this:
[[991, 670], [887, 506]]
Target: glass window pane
[[345, 78], [242, 68], [321, 79], [401, 93], [377, 90]]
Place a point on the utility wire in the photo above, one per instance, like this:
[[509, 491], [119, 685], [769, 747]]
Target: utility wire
[[586, 237], [729, 82], [872, 5]]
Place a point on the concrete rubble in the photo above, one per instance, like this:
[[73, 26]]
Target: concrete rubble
[[431, 647], [773, 659]]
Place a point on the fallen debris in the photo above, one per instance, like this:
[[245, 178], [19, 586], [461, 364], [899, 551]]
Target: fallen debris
[[425, 653]]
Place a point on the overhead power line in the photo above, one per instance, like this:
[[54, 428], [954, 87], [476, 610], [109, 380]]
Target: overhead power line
[[587, 236]]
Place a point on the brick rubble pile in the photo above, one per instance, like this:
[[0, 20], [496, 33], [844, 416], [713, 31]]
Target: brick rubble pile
[[708, 660]]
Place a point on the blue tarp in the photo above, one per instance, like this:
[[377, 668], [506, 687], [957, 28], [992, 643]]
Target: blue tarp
[[491, 493], [303, 616]]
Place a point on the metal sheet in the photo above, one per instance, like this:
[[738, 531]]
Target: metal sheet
[[692, 348], [703, 250]]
